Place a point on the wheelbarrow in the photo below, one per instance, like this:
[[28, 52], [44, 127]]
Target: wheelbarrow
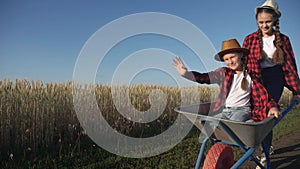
[[226, 133]]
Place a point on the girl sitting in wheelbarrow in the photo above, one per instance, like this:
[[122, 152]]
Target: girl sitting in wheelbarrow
[[242, 97]]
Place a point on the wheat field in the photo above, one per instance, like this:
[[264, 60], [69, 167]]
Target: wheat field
[[36, 117]]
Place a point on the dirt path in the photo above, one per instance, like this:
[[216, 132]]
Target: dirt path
[[287, 153]]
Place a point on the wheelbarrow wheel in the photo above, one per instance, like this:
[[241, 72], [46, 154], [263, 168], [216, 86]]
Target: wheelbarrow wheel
[[219, 156]]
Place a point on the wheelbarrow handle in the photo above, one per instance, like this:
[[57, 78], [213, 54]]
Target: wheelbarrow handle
[[285, 111]]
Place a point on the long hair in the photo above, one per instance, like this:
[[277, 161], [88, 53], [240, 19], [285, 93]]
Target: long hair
[[278, 57], [244, 83]]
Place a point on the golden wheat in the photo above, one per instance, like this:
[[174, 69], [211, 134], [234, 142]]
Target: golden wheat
[[36, 116]]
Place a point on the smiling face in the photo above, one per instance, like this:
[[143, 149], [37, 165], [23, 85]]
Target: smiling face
[[234, 61], [265, 22]]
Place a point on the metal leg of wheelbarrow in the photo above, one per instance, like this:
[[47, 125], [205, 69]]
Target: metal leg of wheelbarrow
[[248, 153], [201, 153]]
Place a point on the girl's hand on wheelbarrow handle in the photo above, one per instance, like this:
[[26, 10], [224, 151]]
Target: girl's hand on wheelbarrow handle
[[274, 112]]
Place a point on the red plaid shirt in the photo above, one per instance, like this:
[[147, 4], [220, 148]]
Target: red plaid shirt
[[291, 77], [223, 77]]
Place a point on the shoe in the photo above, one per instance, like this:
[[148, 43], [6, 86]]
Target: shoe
[[263, 161]]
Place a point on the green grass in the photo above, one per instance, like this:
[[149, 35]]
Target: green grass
[[183, 155], [288, 124]]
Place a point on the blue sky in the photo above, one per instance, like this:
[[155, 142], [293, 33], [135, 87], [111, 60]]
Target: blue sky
[[41, 40]]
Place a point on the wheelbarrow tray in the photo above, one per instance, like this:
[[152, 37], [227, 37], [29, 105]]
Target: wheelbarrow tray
[[249, 134]]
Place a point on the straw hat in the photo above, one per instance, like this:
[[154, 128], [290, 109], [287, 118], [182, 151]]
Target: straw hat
[[229, 46], [269, 4]]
